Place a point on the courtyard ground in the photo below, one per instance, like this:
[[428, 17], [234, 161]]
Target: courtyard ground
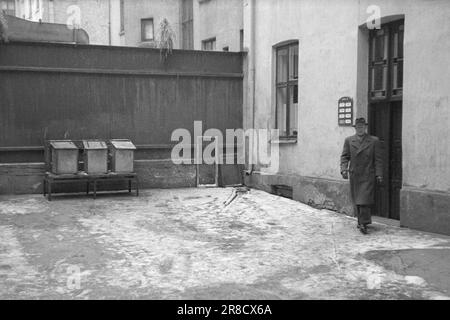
[[188, 244]]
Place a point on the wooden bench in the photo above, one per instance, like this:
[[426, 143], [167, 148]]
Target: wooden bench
[[50, 179]]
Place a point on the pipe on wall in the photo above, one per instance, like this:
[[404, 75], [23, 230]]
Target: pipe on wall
[[109, 22], [252, 72]]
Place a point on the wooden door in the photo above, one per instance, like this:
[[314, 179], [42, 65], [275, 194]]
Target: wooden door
[[386, 124], [385, 112], [379, 116], [395, 159]]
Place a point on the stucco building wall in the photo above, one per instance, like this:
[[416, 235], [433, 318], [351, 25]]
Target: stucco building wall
[[156, 9], [426, 105], [327, 71], [333, 62], [218, 19]]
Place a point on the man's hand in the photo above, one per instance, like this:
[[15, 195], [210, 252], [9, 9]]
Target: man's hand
[[379, 179], [344, 174]]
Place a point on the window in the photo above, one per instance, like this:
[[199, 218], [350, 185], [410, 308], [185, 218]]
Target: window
[[241, 40], [287, 90], [30, 9], [122, 16], [8, 7], [226, 49], [147, 29], [386, 62], [187, 24], [209, 44]]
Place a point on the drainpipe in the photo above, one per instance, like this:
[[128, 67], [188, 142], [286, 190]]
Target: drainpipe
[[252, 70], [109, 22]]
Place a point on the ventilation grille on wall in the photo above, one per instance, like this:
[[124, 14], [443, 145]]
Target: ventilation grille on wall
[[282, 190]]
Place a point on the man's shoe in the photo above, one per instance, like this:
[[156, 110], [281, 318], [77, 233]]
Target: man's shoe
[[363, 229]]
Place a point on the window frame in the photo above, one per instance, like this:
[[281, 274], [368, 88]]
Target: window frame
[[290, 84], [390, 93], [187, 24], [143, 38], [207, 41]]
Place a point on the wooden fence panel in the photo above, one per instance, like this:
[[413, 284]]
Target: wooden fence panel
[[56, 91]]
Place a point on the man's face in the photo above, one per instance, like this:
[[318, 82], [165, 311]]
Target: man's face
[[360, 129]]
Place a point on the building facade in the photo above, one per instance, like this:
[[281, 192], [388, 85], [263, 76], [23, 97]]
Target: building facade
[[197, 24], [218, 25], [140, 21], [308, 58]]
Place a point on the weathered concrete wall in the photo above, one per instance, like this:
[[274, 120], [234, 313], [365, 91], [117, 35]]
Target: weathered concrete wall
[[21, 178], [333, 63], [321, 193], [220, 19], [27, 178], [425, 210]]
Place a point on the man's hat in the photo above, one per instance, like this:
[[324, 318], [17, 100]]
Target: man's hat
[[360, 121]]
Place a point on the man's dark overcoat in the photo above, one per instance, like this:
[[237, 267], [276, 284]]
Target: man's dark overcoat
[[364, 162]]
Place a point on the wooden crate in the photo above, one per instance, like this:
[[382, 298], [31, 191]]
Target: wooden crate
[[95, 156], [63, 157], [122, 156]]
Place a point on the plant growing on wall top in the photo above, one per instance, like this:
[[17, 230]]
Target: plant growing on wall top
[[166, 38], [3, 27]]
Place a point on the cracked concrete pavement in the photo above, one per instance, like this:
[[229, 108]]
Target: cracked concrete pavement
[[187, 244]]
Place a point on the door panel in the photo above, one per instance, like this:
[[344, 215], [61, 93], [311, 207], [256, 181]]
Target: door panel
[[396, 159], [385, 122], [379, 117]]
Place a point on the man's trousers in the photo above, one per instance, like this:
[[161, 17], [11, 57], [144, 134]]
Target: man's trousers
[[364, 214]]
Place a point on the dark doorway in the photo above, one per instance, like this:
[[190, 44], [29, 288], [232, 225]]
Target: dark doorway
[[385, 111]]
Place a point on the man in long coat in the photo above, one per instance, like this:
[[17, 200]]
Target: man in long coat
[[361, 161]]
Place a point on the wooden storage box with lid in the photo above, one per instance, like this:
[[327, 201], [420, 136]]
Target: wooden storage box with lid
[[95, 156], [63, 157], [122, 155]]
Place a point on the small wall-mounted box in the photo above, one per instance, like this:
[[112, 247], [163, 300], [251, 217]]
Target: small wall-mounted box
[[64, 157], [95, 156], [122, 156]]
